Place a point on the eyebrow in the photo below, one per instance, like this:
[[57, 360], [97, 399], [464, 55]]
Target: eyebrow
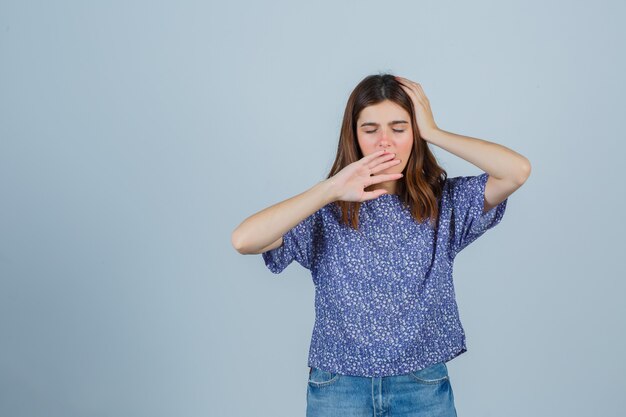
[[395, 122]]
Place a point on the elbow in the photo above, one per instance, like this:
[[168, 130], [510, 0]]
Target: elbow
[[524, 172], [237, 241]]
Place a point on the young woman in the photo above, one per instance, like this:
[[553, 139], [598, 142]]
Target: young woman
[[380, 235]]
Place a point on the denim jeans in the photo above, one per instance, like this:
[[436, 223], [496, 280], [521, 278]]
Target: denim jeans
[[423, 393]]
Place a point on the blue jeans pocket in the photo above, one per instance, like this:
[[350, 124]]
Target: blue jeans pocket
[[321, 378], [434, 374]]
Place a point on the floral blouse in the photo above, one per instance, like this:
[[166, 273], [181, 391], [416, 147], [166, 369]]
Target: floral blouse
[[384, 294]]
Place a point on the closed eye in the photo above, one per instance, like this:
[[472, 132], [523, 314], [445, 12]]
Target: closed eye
[[395, 130]]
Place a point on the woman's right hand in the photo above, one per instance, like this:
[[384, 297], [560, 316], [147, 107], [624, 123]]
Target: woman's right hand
[[350, 183]]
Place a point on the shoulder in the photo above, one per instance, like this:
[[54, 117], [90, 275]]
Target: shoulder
[[465, 186], [464, 181], [463, 193]]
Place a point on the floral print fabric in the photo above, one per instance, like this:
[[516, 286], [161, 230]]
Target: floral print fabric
[[384, 295]]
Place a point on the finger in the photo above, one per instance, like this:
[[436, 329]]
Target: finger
[[385, 165], [422, 92], [375, 179], [410, 89], [370, 157], [405, 81], [383, 157], [370, 195]]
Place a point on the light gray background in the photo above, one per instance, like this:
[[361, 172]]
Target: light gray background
[[135, 136]]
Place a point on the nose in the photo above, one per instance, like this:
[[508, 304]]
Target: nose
[[384, 139]]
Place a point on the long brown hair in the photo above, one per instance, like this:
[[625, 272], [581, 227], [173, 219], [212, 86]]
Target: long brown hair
[[421, 186]]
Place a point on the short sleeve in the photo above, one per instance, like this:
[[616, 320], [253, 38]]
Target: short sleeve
[[298, 244], [467, 196]]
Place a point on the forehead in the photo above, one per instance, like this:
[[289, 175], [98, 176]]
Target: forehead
[[383, 111]]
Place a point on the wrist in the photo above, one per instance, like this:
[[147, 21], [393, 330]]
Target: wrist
[[429, 135], [327, 190]]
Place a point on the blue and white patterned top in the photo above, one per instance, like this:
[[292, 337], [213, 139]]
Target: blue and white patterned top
[[384, 295]]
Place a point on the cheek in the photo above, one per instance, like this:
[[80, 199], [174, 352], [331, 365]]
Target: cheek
[[407, 144], [367, 146]]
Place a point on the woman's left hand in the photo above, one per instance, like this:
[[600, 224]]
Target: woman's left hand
[[424, 115]]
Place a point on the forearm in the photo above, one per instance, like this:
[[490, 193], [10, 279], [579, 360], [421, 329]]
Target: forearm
[[266, 226], [497, 160]]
